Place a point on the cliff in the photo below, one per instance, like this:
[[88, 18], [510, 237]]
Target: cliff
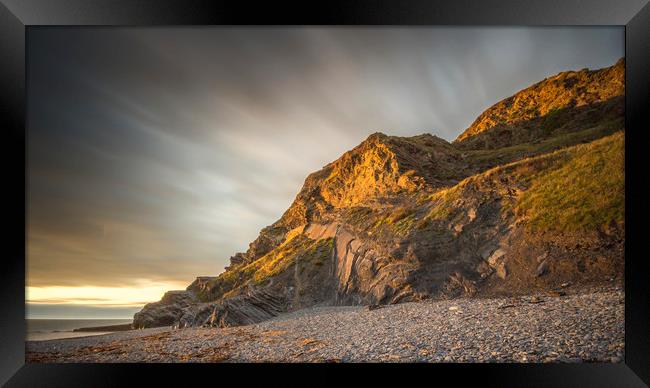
[[529, 197]]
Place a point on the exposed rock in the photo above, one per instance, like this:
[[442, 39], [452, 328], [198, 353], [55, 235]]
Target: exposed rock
[[237, 260], [317, 231], [542, 268], [490, 250], [501, 270], [201, 284], [542, 257], [166, 312], [484, 269], [242, 309], [213, 318], [495, 258], [458, 285]]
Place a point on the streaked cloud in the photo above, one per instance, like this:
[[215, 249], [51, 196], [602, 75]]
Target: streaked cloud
[[156, 153]]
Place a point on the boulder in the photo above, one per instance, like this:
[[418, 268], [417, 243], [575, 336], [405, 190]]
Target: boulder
[[542, 268], [502, 270], [495, 257]]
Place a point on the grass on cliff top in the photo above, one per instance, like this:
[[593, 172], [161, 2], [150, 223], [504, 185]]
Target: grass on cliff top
[[583, 192], [508, 154], [576, 188], [532, 157], [299, 247], [399, 221]]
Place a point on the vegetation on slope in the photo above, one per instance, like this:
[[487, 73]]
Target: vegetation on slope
[[499, 156], [298, 248], [569, 90], [585, 191], [579, 188]]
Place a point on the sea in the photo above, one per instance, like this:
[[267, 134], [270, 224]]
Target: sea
[[47, 329]]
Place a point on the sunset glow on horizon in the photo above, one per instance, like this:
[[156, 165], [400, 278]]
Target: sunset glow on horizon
[[100, 296]]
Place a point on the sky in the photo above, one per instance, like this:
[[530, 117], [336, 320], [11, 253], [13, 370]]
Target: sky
[[155, 154]]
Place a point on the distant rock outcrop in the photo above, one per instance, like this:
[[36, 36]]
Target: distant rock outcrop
[[166, 312], [408, 218]]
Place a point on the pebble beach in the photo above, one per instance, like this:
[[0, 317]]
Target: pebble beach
[[576, 327]]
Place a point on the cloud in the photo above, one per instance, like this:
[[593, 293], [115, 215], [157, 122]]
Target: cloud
[[158, 153], [78, 311]]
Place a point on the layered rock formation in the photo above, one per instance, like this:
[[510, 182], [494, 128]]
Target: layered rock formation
[[516, 203], [165, 312]]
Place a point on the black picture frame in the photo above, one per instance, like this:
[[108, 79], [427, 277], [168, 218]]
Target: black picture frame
[[17, 16]]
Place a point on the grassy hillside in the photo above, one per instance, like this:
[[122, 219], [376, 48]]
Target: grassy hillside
[[585, 190], [568, 98]]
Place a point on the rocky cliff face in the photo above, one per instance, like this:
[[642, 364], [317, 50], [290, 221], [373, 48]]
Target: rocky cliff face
[[403, 219], [380, 166]]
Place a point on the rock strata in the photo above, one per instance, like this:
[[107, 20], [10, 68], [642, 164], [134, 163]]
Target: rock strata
[[166, 312]]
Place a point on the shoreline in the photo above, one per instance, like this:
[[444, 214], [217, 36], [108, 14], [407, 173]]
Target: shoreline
[[109, 328], [538, 328], [41, 329]]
